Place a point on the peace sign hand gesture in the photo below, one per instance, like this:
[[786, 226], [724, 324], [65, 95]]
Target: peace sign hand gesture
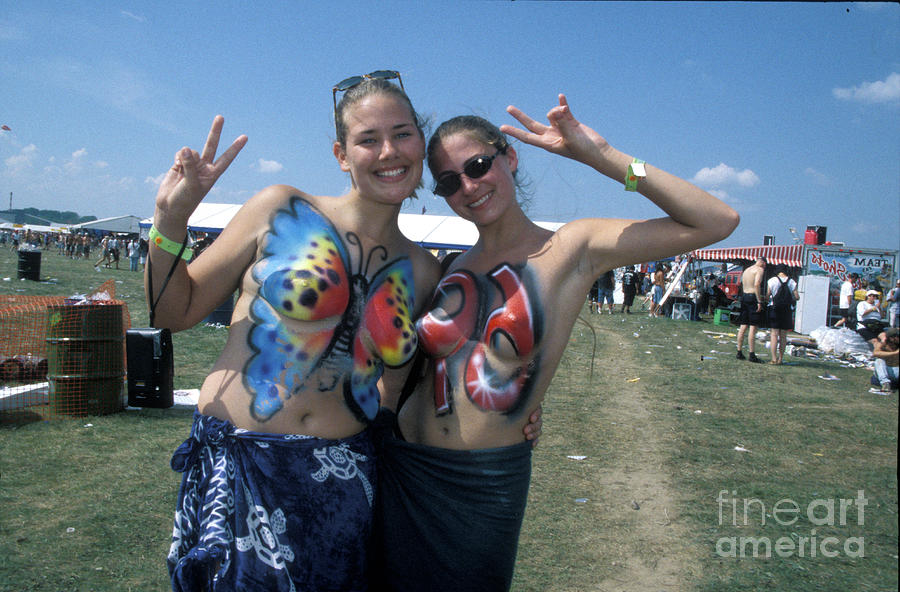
[[193, 175], [564, 135]]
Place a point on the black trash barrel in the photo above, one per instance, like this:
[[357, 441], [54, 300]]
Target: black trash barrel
[[86, 359], [30, 265]]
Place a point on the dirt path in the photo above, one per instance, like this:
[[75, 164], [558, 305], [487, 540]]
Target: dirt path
[[655, 550], [604, 513]]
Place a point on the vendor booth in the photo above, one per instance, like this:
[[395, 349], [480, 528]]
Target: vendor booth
[[820, 269]]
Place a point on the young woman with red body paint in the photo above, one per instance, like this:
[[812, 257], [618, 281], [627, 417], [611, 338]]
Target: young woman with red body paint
[[455, 475]]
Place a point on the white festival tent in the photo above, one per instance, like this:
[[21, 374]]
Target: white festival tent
[[125, 224], [432, 232], [11, 226]]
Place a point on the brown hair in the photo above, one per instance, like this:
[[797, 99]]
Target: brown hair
[[370, 86], [481, 130]]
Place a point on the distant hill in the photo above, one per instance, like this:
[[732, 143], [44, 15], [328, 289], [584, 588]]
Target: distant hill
[[44, 217]]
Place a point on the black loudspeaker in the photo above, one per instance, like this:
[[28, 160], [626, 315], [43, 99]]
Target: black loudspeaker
[[150, 367]]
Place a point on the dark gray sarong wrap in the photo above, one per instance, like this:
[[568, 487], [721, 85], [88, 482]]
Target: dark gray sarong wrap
[[446, 519]]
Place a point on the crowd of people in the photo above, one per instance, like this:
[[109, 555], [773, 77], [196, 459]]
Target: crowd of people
[[705, 290], [111, 246], [769, 303]]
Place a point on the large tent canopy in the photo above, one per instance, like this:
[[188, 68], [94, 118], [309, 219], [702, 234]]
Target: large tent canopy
[[208, 217], [33, 227], [127, 224], [432, 232], [790, 255]]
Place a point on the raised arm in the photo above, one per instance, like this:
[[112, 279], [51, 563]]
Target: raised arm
[[695, 218], [188, 293]]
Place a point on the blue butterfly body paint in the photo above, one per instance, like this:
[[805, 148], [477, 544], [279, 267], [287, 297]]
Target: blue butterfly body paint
[[304, 275]]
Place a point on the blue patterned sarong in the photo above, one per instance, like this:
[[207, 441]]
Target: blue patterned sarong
[[271, 512]]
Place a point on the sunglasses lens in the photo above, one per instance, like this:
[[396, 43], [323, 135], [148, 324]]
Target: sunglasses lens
[[478, 167], [384, 74], [447, 184], [348, 83]]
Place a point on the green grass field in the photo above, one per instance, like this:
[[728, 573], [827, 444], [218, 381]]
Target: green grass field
[[657, 497]]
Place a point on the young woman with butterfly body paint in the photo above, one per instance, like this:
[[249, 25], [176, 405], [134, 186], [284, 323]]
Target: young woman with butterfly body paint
[[454, 486], [278, 482]]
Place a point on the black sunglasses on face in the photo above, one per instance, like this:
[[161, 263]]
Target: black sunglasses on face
[[449, 183], [348, 83]]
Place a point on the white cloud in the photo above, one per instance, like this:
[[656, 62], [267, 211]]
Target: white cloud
[[77, 160], [817, 177], [133, 16], [45, 182], [269, 166], [722, 174], [864, 227], [735, 202], [157, 180], [24, 159], [880, 91]]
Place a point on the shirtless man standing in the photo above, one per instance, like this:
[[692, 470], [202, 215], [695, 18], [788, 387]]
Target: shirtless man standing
[[751, 307]]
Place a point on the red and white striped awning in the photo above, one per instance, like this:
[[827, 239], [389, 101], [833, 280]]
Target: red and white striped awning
[[790, 255]]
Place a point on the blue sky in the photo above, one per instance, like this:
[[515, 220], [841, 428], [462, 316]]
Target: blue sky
[[789, 112]]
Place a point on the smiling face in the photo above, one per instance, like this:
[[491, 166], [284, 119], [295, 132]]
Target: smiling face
[[485, 199], [383, 149]]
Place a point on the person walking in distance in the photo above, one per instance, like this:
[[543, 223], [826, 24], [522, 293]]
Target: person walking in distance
[[751, 308], [605, 293], [781, 293], [629, 288], [845, 300], [894, 310], [659, 286]]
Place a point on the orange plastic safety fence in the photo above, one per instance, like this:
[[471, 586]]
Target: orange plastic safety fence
[[60, 357]]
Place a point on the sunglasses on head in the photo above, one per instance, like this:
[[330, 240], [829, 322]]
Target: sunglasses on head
[[348, 83], [449, 183]]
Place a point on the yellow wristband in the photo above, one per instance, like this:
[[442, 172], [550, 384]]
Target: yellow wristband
[[168, 245], [635, 173]]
